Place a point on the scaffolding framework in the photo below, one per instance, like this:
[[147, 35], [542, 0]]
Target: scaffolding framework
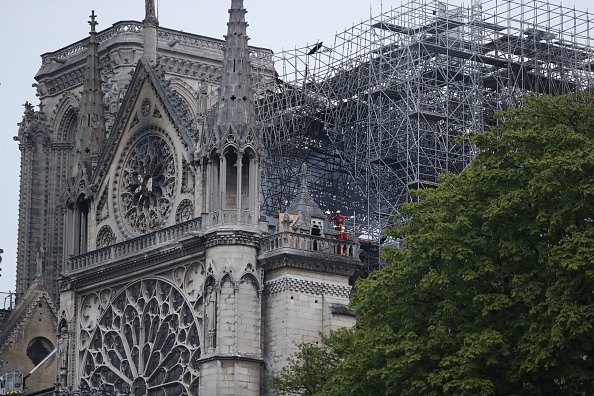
[[386, 107]]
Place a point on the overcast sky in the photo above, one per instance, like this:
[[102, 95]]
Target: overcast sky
[[31, 28]]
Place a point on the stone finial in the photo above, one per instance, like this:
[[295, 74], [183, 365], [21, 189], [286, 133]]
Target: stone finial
[[93, 22], [28, 108], [304, 177], [236, 4]]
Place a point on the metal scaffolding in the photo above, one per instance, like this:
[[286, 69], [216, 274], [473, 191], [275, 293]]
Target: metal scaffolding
[[386, 107]]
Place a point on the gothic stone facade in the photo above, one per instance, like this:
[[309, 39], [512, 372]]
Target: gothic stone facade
[[140, 178]]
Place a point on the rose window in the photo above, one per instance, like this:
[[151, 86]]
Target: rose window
[[147, 185], [146, 340]]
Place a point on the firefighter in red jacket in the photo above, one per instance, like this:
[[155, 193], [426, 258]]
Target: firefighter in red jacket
[[338, 220]]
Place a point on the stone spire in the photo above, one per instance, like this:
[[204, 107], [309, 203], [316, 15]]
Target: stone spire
[[236, 107], [303, 202], [92, 122], [235, 143], [150, 31]]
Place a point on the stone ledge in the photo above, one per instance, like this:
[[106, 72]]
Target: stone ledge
[[311, 261], [237, 357]]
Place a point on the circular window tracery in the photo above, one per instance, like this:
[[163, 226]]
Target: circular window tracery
[[147, 185], [147, 340], [185, 211], [105, 237]]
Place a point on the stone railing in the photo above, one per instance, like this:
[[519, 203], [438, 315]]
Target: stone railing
[[229, 217], [260, 57], [169, 36], [72, 50], [132, 246], [310, 243], [64, 54], [119, 28]]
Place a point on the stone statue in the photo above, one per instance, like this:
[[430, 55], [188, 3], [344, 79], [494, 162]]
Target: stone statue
[[95, 143], [211, 318], [63, 348], [39, 262], [28, 108], [112, 98], [149, 6]]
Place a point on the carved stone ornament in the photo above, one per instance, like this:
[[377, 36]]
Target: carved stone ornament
[[193, 281], [90, 311], [185, 211], [102, 211], [106, 237], [145, 107], [147, 185], [146, 339]]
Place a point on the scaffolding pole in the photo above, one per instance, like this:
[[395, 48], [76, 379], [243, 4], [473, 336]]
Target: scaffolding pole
[[389, 106]]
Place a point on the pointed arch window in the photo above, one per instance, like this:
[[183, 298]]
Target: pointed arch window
[[215, 182], [231, 179], [81, 225], [246, 179]]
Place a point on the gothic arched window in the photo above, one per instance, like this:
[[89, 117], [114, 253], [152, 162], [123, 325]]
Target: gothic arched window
[[82, 225]]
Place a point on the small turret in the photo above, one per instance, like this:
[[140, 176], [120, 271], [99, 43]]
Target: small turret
[[305, 215], [234, 146]]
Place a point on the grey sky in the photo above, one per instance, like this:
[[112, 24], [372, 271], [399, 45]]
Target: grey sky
[[31, 28]]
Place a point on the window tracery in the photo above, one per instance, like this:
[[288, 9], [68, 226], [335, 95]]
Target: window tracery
[[106, 237], [147, 339], [147, 187], [185, 211]]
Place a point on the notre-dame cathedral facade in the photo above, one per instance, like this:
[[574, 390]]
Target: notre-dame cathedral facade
[[141, 186]]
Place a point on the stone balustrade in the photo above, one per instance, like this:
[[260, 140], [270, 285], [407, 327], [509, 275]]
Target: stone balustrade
[[310, 243], [132, 246], [260, 57], [155, 239], [229, 217], [123, 27]]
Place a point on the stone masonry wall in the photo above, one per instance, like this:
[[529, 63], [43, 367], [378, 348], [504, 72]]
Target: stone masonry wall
[[297, 307]]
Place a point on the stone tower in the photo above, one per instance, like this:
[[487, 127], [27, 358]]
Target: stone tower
[[232, 352], [308, 273]]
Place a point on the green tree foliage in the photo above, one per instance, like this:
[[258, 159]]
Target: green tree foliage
[[307, 370], [494, 292]]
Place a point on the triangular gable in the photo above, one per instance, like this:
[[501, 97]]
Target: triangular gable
[[150, 142], [128, 115], [22, 313]]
